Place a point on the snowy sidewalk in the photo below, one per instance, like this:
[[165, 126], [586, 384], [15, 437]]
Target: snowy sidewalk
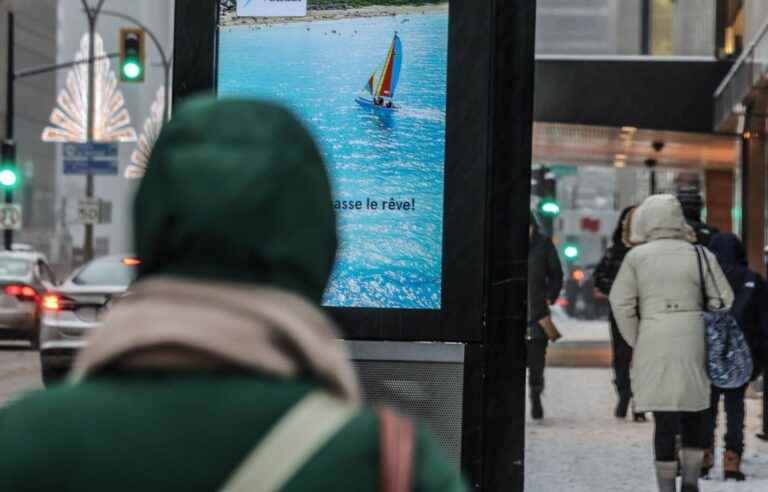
[[580, 447]]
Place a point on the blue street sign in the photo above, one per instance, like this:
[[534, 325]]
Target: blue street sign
[[91, 158]]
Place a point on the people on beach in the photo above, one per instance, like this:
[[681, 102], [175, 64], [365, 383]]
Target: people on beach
[[749, 311], [220, 371], [657, 303], [604, 276], [545, 279]]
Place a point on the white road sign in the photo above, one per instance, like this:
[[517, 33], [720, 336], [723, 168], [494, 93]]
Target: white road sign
[[89, 211], [272, 8], [10, 216]]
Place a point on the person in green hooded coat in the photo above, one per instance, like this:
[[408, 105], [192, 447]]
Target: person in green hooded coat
[[222, 334]]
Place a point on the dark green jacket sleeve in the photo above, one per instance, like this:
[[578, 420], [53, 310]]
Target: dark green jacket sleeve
[[432, 470]]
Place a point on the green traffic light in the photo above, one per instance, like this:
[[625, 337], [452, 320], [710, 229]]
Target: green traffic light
[[571, 251], [550, 207], [132, 69], [8, 178]]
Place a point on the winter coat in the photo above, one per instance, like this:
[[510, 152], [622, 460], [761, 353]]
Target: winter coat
[[610, 263], [704, 232], [656, 300], [545, 280], [222, 335], [749, 306]]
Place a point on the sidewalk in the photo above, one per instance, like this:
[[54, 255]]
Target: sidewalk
[[581, 447]]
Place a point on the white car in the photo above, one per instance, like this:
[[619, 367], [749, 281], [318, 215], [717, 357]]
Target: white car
[[25, 277], [76, 307]]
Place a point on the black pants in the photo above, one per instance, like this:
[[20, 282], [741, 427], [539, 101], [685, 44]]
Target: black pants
[[536, 359], [622, 360], [734, 413], [691, 425]]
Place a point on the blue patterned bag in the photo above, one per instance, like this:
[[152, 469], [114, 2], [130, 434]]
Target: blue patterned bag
[[729, 359]]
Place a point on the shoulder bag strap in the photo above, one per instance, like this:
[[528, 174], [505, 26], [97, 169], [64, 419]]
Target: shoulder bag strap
[[714, 280], [291, 443], [702, 281], [396, 436]]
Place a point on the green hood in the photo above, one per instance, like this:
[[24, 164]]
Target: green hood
[[236, 190]]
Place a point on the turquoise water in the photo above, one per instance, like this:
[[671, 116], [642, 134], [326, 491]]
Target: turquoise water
[[389, 258]]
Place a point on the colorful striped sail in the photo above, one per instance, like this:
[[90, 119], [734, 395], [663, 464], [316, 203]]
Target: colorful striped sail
[[390, 74]]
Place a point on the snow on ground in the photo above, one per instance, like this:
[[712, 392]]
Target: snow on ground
[[577, 330], [581, 447]]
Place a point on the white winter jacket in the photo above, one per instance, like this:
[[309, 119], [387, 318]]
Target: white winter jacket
[[656, 300]]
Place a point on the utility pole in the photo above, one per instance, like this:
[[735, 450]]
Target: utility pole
[[93, 16], [8, 147]]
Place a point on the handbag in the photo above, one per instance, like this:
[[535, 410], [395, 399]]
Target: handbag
[[729, 359], [549, 328]]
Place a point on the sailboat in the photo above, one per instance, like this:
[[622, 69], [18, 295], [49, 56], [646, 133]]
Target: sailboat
[[379, 91]]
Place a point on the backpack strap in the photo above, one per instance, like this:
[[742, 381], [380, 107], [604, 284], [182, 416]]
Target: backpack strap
[[291, 443], [396, 437]]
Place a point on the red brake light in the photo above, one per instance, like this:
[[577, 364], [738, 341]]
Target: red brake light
[[22, 292], [13, 290], [52, 302]]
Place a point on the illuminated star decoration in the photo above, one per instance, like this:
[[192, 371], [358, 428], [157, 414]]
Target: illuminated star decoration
[[69, 119], [152, 126]]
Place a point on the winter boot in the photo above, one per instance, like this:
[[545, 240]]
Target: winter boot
[[622, 406], [537, 410], [691, 461], [637, 416], [732, 466], [708, 462], [666, 476]]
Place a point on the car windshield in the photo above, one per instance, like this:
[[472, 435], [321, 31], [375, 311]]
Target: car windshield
[[107, 271], [14, 267]]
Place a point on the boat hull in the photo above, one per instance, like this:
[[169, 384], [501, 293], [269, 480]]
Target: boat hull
[[368, 104]]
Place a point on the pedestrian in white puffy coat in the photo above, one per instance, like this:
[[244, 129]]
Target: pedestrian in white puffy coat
[[657, 301]]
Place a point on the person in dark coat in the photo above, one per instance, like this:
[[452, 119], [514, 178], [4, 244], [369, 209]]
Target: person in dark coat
[[693, 205], [545, 280], [604, 275], [749, 311]]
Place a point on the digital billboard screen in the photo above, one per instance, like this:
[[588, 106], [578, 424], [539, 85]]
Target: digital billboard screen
[[371, 85]]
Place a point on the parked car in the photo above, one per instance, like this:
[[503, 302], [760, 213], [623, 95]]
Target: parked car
[[76, 308], [25, 277]]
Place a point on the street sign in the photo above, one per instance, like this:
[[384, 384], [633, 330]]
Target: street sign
[[91, 158], [89, 210], [272, 8], [10, 216]]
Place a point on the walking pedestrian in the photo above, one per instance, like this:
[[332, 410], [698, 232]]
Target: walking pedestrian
[[545, 280], [604, 276], [656, 299], [219, 371], [749, 311]]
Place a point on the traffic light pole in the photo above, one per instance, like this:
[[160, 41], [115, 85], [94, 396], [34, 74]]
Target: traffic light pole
[[93, 16], [9, 114]]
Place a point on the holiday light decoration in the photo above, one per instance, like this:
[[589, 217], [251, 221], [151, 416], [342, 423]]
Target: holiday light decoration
[[152, 126], [69, 120]]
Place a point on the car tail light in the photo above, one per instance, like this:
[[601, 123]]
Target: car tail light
[[128, 261], [21, 292], [56, 302]]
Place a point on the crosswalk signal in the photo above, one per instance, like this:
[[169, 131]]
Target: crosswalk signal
[[9, 172], [132, 55]]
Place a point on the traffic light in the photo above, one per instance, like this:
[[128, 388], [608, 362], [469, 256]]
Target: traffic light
[[571, 251], [9, 172], [132, 55], [549, 207]]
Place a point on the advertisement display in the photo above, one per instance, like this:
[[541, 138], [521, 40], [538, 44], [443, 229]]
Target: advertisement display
[[371, 85]]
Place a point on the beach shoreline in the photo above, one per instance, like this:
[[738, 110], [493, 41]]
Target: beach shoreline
[[229, 19]]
